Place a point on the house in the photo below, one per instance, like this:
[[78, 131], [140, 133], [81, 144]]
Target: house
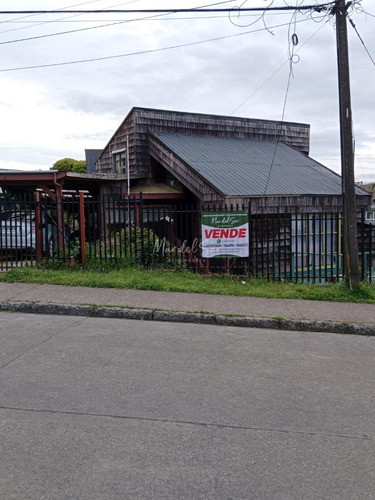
[[222, 160], [370, 214]]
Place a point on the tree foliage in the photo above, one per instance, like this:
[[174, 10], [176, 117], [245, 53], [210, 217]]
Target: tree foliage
[[70, 165]]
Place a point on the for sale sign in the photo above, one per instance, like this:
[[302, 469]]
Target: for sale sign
[[225, 234]]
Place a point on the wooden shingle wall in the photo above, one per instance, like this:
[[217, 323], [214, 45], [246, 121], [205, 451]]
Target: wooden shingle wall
[[140, 121], [118, 142], [289, 204]]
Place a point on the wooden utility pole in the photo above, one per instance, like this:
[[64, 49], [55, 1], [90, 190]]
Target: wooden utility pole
[[351, 257]]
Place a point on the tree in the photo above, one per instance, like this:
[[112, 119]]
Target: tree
[[70, 165]]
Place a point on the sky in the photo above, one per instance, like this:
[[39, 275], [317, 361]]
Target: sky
[[233, 64]]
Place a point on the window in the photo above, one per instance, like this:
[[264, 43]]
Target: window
[[315, 241], [370, 216], [119, 161]]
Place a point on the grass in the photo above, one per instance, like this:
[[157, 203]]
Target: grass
[[185, 281]]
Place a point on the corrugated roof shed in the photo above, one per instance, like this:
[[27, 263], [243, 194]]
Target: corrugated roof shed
[[248, 167]]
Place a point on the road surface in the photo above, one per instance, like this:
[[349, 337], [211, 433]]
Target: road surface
[[106, 408]]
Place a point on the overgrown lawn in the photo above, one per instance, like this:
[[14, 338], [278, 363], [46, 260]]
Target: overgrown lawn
[[185, 281]]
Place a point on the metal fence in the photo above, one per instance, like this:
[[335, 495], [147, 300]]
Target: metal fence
[[82, 229]]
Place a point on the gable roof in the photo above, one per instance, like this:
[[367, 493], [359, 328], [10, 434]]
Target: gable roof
[[252, 167]]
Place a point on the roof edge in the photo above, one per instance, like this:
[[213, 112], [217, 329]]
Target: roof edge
[[202, 177], [211, 115]]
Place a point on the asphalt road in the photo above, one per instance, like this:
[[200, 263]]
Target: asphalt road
[[105, 408]]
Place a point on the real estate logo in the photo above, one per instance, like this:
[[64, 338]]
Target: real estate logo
[[225, 234]]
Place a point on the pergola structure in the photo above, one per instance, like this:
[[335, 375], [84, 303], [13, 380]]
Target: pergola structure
[[53, 182], [57, 185]]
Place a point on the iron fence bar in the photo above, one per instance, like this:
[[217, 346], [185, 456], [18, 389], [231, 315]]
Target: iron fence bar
[[332, 227], [189, 223], [150, 253], [267, 247], [338, 244], [126, 223], [276, 254], [103, 229], [115, 226], [308, 250], [141, 229], [371, 251], [315, 277], [256, 226], [325, 247], [321, 247], [362, 246]]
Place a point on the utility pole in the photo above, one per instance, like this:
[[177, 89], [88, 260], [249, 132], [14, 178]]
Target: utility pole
[[351, 257]]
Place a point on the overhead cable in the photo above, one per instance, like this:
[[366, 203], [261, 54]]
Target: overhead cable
[[315, 7], [156, 17], [129, 54], [363, 43]]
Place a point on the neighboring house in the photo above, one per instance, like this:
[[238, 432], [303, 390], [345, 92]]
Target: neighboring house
[[91, 156], [370, 214], [209, 159]]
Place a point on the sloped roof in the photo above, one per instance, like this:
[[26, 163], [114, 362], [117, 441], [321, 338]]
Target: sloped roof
[[251, 167]]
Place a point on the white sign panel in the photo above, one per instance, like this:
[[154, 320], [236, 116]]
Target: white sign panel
[[225, 234]]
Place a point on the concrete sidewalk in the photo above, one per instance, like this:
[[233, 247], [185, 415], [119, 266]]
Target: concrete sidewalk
[[303, 315]]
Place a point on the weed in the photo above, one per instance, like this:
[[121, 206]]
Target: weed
[[112, 275]]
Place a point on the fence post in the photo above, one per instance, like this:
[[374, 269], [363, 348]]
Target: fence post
[[362, 247], [82, 230], [140, 221], [38, 228]]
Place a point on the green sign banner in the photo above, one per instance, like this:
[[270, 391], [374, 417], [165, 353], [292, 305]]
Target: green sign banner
[[225, 234]]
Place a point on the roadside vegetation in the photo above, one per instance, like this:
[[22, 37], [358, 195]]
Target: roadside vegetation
[[185, 281]]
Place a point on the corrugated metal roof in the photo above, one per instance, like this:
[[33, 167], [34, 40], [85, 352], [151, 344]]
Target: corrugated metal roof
[[251, 167]]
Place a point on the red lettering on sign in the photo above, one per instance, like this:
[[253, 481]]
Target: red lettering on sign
[[225, 233]]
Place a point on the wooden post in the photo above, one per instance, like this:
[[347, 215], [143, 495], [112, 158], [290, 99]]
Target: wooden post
[[351, 258], [60, 218], [82, 232], [137, 216]]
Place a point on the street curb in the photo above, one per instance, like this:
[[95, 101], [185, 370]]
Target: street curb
[[185, 317]]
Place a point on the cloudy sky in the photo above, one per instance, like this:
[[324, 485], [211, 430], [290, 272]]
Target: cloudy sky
[[240, 67]]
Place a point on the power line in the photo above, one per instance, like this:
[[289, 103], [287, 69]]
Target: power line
[[63, 19], [69, 32], [76, 5], [368, 13], [148, 18], [156, 17], [174, 18], [363, 43], [149, 51], [315, 7], [277, 70]]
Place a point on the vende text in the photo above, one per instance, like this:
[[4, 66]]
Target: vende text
[[225, 233]]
